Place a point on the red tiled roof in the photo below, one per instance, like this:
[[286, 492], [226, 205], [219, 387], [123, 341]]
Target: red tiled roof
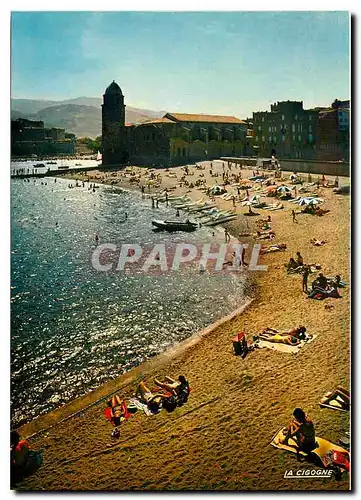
[[158, 120], [187, 117]]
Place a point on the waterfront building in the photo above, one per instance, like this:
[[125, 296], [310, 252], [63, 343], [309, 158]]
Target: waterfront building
[[174, 139], [32, 138], [290, 131]]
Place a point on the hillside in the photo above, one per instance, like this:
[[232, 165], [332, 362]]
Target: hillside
[[81, 116]]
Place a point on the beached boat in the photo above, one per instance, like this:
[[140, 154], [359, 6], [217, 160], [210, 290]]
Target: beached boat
[[221, 220], [167, 225]]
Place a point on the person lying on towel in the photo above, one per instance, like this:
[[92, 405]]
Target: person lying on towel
[[153, 401], [179, 388], [317, 243], [273, 248], [301, 430], [292, 337], [338, 398], [117, 409]]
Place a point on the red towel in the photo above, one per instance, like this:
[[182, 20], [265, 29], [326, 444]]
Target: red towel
[[108, 413]]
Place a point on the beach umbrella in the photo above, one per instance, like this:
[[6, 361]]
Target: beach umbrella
[[247, 203], [284, 190], [313, 201], [309, 201], [255, 198]]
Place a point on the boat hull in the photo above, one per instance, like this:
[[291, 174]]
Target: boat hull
[[173, 226]]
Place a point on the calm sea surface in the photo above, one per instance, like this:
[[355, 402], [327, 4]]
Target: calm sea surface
[[74, 328]]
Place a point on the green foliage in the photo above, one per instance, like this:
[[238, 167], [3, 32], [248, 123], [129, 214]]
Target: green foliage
[[94, 144]]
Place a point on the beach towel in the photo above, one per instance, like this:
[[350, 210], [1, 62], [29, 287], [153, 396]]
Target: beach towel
[[335, 401], [322, 451], [141, 406], [278, 346]]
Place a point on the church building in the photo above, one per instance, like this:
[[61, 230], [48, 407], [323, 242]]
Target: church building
[[175, 139]]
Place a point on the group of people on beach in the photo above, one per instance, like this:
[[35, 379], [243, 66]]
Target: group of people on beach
[[173, 394]]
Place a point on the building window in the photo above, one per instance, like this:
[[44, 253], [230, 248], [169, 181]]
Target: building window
[[283, 118], [293, 137], [283, 138], [310, 137], [310, 117], [269, 129], [299, 138], [263, 118], [296, 117], [310, 128], [270, 139], [263, 138], [259, 128], [293, 127], [301, 126]]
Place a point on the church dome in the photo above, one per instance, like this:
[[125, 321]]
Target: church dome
[[113, 88]]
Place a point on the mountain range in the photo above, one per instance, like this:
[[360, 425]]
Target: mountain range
[[80, 116]]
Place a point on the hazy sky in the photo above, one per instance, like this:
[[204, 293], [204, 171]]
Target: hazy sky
[[207, 62]]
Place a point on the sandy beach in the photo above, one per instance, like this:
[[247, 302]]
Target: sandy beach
[[219, 440]]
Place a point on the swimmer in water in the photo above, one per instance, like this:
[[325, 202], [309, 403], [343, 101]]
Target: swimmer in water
[[97, 237]]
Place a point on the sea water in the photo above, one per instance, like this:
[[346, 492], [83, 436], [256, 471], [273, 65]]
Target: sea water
[[74, 328]]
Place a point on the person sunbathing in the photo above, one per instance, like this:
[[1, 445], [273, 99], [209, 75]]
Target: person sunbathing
[[274, 248], [171, 385], [339, 396], [298, 333], [317, 243], [302, 431], [179, 388], [273, 336], [153, 401], [117, 409], [265, 236]]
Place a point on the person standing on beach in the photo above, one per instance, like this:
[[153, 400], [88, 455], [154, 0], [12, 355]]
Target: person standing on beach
[[157, 203], [305, 275], [294, 219], [227, 235], [153, 205], [243, 263], [142, 190], [166, 197]]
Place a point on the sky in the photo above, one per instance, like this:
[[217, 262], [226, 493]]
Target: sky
[[193, 62]]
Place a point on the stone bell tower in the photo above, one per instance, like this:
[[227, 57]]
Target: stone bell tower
[[114, 137]]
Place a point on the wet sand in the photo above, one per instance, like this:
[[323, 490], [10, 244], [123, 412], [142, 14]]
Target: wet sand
[[220, 439]]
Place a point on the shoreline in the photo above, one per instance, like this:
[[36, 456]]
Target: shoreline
[[44, 422], [227, 447]]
